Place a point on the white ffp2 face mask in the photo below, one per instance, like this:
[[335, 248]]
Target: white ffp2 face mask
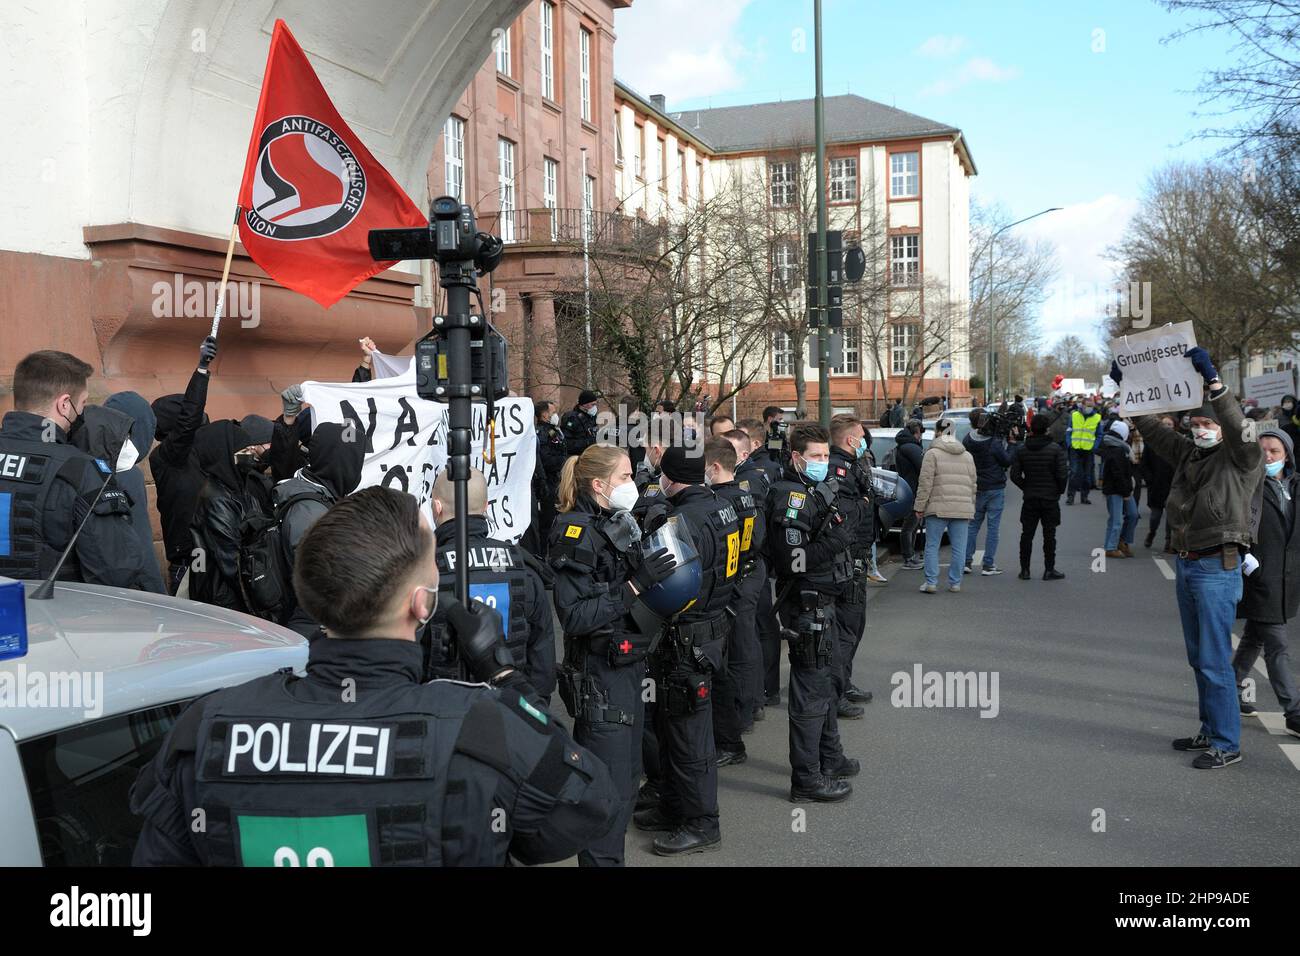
[[1205, 437], [623, 497]]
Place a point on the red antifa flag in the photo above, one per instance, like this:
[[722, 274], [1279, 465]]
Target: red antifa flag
[[311, 191]]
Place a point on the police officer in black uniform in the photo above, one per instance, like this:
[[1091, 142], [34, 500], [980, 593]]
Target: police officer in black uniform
[[359, 763], [689, 656], [552, 452], [761, 463], [503, 576], [733, 691], [810, 545], [579, 424], [856, 501], [599, 578], [47, 485]]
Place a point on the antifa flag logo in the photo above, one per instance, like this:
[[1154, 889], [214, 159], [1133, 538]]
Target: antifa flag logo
[[307, 183]]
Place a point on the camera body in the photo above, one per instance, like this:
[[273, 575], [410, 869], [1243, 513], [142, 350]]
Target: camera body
[[452, 239], [1000, 425]]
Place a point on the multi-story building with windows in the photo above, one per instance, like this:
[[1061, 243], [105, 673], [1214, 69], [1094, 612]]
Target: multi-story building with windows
[[549, 147]]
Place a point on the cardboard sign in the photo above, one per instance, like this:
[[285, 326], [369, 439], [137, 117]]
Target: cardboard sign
[[1269, 389], [1157, 375]]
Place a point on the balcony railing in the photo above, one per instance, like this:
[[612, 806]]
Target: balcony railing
[[565, 226]]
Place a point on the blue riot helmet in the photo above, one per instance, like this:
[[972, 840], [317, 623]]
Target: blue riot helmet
[[895, 495], [676, 592]]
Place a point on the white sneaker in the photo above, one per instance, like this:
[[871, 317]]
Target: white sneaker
[[967, 570], [954, 588], [990, 571], [929, 589]]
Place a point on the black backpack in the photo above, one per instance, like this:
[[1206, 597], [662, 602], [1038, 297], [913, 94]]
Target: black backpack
[[265, 578]]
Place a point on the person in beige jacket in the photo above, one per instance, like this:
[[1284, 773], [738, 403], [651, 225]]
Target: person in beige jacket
[[945, 500]]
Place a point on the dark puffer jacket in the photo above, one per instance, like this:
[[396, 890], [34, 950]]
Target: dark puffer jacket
[[992, 459], [908, 456], [1040, 469], [1116, 467]]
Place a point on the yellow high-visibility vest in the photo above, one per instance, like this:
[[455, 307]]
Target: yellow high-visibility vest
[[1084, 430]]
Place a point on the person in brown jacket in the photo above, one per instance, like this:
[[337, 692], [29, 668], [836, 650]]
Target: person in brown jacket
[[945, 500], [1212, 509]]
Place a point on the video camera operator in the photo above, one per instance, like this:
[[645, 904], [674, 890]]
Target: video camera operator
[[993, 442]]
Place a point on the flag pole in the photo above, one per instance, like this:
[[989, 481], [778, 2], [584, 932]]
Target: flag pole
[[225, 273]]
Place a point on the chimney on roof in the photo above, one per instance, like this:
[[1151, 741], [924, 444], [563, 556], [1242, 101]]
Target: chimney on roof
[[659, 102]]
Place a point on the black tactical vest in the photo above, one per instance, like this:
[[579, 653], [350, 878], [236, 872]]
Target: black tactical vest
[[498, 578], [28, 473], [717, 520], [739, 495], [288, 782]]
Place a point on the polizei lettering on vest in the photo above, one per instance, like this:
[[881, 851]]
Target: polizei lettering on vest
[[483, 559], [348, 749]]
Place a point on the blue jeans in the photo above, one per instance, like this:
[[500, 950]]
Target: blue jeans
[[1207, 604], [986, 503], [1080, 473], [1121, 520], [934, 529]]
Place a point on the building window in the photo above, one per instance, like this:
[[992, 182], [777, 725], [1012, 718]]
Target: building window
[[638, 150], [844, 180], [782, 354], [903, 340], [548, 50], [550, 179], [589, 206], [681, 165], [618, 140], [453, 157], [506, 187], [663, 166], [783, 183], [904, 175], [584, 49], [905, 259], [852, 364], [785, 265], [502, 48]]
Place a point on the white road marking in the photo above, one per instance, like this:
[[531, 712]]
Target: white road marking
[[1275, 721], [1164, 567], [1292, 752], [1259, 665]]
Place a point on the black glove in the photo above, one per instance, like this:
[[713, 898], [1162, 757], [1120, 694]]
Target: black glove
[[654, 567], [1116, 375], [207, 352], [480, 636]]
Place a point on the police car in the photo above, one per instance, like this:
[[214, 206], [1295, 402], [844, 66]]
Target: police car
[[105, 675]]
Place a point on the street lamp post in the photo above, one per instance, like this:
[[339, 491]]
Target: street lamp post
[[990, 360]]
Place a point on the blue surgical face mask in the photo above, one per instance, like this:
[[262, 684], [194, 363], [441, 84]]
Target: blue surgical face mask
[[816, 470], [1274, 468], [862, 447]]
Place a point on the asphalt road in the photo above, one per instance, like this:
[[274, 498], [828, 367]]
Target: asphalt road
[[1093, 684]]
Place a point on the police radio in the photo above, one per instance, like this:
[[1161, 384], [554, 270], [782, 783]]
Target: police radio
[[463, 358]]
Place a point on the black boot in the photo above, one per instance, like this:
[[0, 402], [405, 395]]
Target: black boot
[[1051, 574], [1024, 572]]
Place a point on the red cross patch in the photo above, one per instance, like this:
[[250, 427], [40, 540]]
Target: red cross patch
[[702, 693], [626, 646]]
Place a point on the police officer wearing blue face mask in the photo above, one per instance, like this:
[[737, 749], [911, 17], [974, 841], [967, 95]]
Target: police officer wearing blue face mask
[[810, 544]]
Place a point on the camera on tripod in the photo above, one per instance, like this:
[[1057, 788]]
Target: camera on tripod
[[453, 240], [999, 424]]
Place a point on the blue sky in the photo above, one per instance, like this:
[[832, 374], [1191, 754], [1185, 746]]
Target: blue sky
[[1068, 104]]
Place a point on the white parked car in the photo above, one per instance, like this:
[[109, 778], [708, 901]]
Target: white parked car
[[106, 673]]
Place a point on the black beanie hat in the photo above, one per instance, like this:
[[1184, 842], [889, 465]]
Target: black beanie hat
[[683, 468]]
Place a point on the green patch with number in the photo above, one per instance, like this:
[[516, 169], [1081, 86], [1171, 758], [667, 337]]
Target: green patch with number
[[342, 840], [791, 514]]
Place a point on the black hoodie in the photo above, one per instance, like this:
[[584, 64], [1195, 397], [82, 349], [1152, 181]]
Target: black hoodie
[[176, 474], [229, 493]]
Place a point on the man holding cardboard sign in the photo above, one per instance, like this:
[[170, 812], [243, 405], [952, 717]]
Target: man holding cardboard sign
[[1217, 473], [1156, 373]]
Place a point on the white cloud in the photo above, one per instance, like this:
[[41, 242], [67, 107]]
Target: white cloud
[[1085, 283], [654, 54], [978, 69], [941, 45]]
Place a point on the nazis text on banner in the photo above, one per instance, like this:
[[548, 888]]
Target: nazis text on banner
[[406, 444], [1157, 375], [311, 191]]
